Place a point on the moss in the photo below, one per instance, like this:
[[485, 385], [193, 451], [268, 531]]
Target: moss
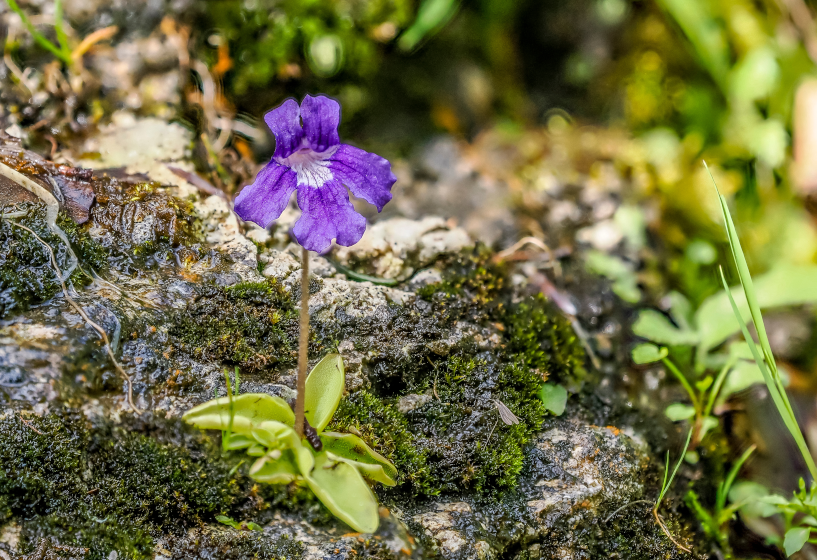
[[543, 340], [471, 275], [230, 545], [27, 276], [253, 326], [387, 430], [110, 487], [456, 440], [89, 252]]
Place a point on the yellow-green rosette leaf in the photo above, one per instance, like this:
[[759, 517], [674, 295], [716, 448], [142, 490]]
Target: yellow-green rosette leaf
[[239, 442], [276, 471], [371, 463], [256, 450], [270, 432], [343, 491], [248, 410], [324, 388], [274, 434]]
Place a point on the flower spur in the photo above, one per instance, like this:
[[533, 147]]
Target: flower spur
[[309, 158]]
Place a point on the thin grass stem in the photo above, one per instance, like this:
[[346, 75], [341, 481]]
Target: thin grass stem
[[683, 380], [716, 387]]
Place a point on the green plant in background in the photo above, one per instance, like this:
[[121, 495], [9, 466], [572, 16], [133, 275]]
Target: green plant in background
[[715, 522], [713, 371], [432, 15], [61, 50], [799, 512], [333, 465], [292, 39], [702, 395]]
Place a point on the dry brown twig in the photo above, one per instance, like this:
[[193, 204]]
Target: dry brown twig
[[29, 424], [666, 531]]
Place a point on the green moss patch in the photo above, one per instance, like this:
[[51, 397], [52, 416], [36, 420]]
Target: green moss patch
[[543, 340], [110, 487], [251, 325], [455, 439]]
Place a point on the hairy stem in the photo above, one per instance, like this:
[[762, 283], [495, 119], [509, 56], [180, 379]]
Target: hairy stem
[[303, 343]]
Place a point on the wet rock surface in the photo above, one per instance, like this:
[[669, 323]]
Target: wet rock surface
[[183, 291]]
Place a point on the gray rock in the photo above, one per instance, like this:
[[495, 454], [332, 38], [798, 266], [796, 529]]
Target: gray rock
[[576, 475]]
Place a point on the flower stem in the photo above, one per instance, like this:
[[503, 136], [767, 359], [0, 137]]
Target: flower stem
[[303, 343]]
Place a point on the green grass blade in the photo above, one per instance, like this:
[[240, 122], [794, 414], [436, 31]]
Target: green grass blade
[[667, 483], [780, 399], [62, 38], [745, 279], [39, 37], [763, 356], [726, 485]]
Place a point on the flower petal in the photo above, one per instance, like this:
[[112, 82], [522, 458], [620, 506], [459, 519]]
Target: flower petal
[[285, 123], [327, 214], [264, 200], [367, 175], [321, 116]]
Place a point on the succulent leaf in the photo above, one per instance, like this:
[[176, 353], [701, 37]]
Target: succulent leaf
[[343, 491], [248, 410], [324, 388]]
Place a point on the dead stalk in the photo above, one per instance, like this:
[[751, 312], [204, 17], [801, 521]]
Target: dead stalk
[[29, 424], [666, 531]]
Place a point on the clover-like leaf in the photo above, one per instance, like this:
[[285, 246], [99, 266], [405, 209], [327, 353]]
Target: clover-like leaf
[[324, 388], [343, 491], [371, 463], [655, 326], [796, 538], [647, 353], [679, 411], [282, 470], [554, 397], [248, 410]]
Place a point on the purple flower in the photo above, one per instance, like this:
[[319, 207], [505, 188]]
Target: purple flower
[[310, 158]]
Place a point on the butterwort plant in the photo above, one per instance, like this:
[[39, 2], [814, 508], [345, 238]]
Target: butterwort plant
[[310, 159], [291, 446], [333, 465]]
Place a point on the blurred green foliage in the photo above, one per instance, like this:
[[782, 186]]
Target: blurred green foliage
[[273, 42]]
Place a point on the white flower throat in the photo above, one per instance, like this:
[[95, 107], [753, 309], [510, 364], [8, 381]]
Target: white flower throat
[[310, 167]]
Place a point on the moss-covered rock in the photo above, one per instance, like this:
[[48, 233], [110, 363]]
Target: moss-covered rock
[[251, 325], [118, 487], [27, 275]]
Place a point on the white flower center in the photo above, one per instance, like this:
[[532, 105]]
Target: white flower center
[[310, 167]]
